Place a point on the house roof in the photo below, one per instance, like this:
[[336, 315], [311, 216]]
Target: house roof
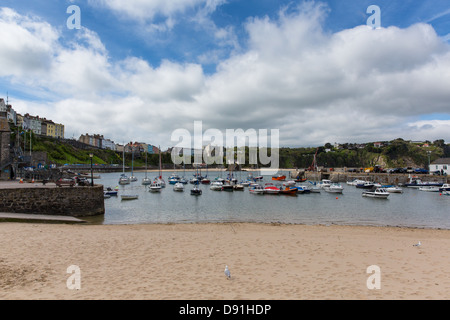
[[442, 161]]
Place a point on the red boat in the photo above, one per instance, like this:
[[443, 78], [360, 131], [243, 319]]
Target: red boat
[[269, 188], [279, 178]]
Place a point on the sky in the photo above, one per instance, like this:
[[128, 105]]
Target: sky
[[139, 70]]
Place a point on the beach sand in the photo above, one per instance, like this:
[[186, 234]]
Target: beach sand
[[187, 262]]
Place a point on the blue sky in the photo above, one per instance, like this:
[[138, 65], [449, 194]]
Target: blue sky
[[231, 64]]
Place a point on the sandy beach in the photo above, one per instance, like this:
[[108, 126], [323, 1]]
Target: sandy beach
[[187, 261]]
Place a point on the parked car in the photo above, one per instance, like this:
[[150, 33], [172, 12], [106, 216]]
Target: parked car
[[65, 182], [397, 170], [421, 171]]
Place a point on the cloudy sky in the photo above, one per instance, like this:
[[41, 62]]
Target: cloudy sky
[[137, 70]]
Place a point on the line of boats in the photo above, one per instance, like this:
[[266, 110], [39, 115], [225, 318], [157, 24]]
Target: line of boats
[[376, 190], [257, 187]]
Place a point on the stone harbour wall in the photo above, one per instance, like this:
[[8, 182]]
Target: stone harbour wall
[[65, 201]]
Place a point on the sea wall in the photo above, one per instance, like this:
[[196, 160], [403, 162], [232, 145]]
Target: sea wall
[[383, 178], [65, 201]]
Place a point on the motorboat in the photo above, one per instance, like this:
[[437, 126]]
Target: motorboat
[[324, 183], [429, 189], [110, 192], [302, 189], [216, 186], [366, 185], [333, 188], [279, 178], [355, 182], [257, 189], [271, 189], [380, 193], [394, 189], [415, 182], [178, 187], [291, 191], [445, 187], [289, 183], [155, 186]]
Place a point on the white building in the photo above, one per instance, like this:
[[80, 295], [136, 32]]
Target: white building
[[108, 144], [441, 165], [32, 123]]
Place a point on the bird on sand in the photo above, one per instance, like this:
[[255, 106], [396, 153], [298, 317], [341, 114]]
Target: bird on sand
[[227, 272], [417, 244]]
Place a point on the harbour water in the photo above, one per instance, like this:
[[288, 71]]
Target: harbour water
[[413, 208]]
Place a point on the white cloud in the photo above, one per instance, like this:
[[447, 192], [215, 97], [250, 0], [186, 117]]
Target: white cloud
[[147, 10], [316, 87]]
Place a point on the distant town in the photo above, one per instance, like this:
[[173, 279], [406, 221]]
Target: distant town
[[383, 156], [46, 127]]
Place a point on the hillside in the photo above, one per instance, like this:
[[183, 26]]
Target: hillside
[[392, 154]]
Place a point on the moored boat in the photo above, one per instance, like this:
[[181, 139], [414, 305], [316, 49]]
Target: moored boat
[[123, 180], [216, 186], [333, 188], [379, 193], [291, 191], [256, 189], [415, 182], [279, 177], [196, 191], [394, 189], [429, 189], [445, 187], [269, 188], [366, 185], [129, 197], [155, 186], [178, 187]]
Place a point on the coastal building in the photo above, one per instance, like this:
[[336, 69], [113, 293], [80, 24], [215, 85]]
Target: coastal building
[[98, 141], [108, 144], [152, 149], [5, 158], [32, 123], [441, 165], [7, 111]]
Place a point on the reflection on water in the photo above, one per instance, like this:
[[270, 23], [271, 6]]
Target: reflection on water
[[413, 208]]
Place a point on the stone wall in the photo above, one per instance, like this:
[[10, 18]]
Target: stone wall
[[65, 201]]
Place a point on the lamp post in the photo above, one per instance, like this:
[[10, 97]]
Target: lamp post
[[429, 162], [92, 175]]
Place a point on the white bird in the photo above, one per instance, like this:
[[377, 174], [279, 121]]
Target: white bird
[[417, 245], [227, 272]]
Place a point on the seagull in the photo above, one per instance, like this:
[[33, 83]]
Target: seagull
[[417, 245], [227, 272]]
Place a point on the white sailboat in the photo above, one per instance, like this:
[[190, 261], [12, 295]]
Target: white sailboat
[[132, 178], [146, 181], [123, 180], [160, 179]]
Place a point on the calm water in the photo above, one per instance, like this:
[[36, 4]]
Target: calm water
[[413, 208]]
